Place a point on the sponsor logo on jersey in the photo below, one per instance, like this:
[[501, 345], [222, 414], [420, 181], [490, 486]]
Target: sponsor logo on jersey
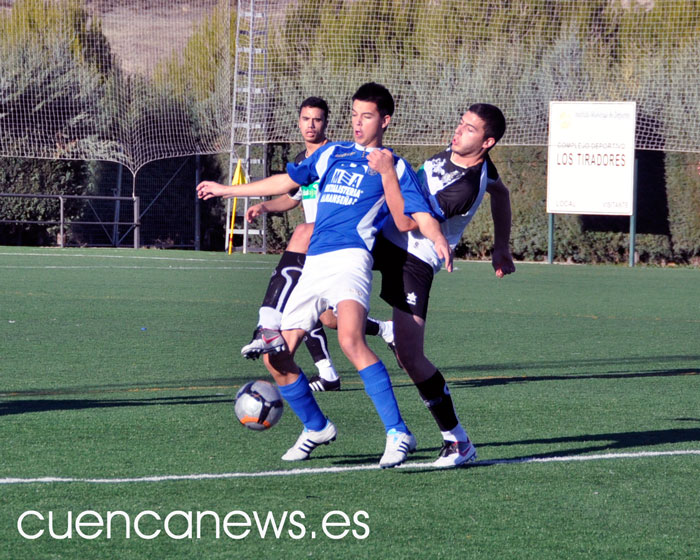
[[309, 192], [342, 188], [343, 177]]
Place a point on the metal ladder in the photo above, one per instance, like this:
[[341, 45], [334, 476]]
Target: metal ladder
[[248, 116]]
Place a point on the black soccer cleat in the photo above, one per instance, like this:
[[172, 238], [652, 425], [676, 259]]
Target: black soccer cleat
[[317, 383]]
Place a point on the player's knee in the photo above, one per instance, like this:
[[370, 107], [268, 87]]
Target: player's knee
[[351, 345], [277, 364], [409, 357]]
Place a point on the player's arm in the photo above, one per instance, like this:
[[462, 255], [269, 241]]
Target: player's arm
[[382, 161], [269, 186], [501, 260], [282, 203], [430, 228]]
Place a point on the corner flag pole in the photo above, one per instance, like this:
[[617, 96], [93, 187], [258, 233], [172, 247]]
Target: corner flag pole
[[238, 179]]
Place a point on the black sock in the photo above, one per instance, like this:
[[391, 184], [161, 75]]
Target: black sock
[[317, 343], [436, 397], [284, 278], [371, 327]]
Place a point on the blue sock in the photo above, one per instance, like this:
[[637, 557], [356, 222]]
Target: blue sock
[[378, 387], [302, 402]]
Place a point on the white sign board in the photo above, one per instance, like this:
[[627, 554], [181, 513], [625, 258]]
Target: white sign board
[[590, 168]]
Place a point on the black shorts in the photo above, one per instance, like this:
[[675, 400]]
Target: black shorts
[[406, 280]]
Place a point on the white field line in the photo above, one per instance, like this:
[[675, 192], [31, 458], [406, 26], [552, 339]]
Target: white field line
[[231, 267], [124, 257], [325, 470], [210, 264]]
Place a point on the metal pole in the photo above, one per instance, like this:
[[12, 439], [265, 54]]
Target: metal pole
[[137, 222], [232, 147], [550, 239], [633, 217], [197, 208], [137, 213], [62, 232], [266, 173], [117, 208]]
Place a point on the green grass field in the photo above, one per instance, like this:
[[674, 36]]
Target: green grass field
[[580, 386]]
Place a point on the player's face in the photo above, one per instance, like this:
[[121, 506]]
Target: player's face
[[367, 124], [469, 137], [312, 125]]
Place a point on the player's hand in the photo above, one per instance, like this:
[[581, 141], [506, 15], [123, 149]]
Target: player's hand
[[502, 262], [381, 160], [442, 249], [253, 212], [210, 189]]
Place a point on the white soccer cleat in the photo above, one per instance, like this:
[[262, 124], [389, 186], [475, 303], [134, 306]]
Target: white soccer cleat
[[310, 440], [398, 446], [264, 341], [455, 453]]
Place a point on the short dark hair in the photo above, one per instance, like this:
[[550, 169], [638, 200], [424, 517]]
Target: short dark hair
[[316, 102], [377, 94], [495, 122]]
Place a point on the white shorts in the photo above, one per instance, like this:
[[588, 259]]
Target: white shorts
[[325, 281]]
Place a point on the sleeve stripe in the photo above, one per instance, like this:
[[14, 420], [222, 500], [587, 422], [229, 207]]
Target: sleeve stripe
[[400, 168], [322, 163]]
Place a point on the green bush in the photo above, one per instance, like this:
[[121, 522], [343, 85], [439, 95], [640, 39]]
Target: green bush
[[198, 80], [52, 68], [683, 188]]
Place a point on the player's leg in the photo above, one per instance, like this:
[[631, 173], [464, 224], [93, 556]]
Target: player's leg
[[295, 390], [406, 283], [299, 242], [373, 327], [303, 309], [351, 319], [283, 280], [409, 331], [317, 345], [385, 329]]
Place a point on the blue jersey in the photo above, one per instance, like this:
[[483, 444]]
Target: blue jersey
[[351, 204]]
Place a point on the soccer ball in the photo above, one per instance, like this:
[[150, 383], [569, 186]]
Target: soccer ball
[[259, 405]]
